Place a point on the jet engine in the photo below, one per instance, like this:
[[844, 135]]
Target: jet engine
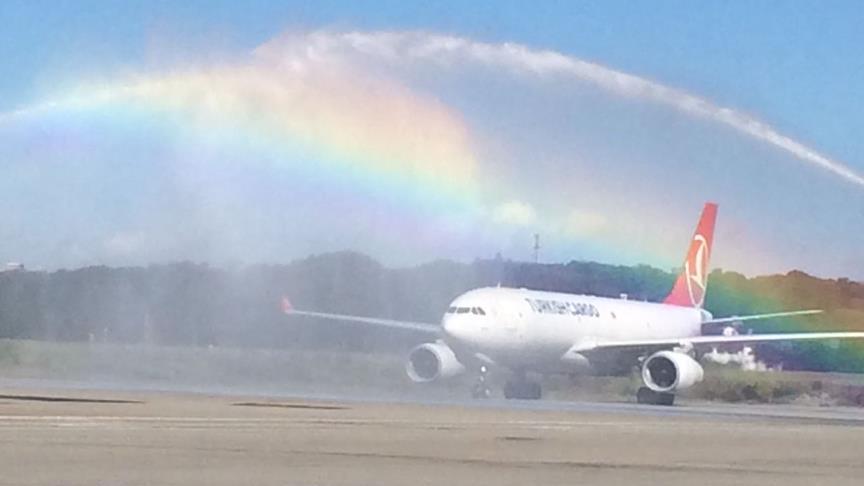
[[667, 371], [432, 361]]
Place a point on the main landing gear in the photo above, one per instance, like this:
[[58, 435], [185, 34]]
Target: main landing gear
[[650, 397], [521, 388]]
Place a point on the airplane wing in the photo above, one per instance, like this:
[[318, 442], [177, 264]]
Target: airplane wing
[[729, 320], [408, 325], [705, 341], [424, 327]]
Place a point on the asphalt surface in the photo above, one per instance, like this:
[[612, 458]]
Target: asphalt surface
[[81, 437]]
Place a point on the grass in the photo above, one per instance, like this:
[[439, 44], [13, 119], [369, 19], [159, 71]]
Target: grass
[[341, 372]]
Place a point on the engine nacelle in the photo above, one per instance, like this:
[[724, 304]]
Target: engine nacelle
[[432, 361], [667, 371]]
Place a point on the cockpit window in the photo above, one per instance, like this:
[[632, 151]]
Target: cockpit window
[[477, 311]]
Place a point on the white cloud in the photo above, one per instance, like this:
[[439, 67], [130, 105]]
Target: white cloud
[[514, 213]]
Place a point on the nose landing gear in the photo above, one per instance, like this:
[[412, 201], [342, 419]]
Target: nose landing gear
[[481, 388]]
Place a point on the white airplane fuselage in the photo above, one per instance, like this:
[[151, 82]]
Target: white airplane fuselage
[[538, 331], [551, 332]]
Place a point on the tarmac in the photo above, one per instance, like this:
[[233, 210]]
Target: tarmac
[[103, 437]]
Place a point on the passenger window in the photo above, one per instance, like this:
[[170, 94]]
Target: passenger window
[[462, 310], [451, 310]]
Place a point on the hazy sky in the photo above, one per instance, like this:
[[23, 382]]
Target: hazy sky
[[137, 132]]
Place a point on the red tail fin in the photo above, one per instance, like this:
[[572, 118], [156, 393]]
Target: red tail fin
[[689, 289]]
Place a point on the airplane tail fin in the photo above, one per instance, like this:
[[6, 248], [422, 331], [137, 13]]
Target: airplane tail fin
[[692, 282], [287, 307]]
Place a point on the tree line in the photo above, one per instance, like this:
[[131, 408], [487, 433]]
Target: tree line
[[199, 305]]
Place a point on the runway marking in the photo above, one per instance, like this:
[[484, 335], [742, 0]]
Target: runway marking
[[301, 406], [314, 421], [9, 422], [39, 398], [517, 438]]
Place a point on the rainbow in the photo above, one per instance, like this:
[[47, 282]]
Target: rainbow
[[844, 356], [377, 133], [355, 133]]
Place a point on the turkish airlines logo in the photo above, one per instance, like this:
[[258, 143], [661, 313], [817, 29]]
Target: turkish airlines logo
[[697, 270]]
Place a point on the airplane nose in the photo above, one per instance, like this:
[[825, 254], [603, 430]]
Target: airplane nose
[[447, 325]]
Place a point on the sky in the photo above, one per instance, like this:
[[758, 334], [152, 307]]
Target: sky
[[245, 132]]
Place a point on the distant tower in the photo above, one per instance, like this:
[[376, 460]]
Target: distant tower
[[536, 247]]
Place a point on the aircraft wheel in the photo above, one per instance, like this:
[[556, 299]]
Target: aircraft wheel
[[645, 395], [523, 390], [650, 397], [666, 399], [481, 391]]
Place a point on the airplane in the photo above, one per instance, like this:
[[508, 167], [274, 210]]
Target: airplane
[[522, 331]]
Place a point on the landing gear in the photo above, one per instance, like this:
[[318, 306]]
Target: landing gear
[[648, 396], [481, 391], [481, 388], [522, 389]]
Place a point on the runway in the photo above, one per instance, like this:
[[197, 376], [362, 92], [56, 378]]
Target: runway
[[80, 437]]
